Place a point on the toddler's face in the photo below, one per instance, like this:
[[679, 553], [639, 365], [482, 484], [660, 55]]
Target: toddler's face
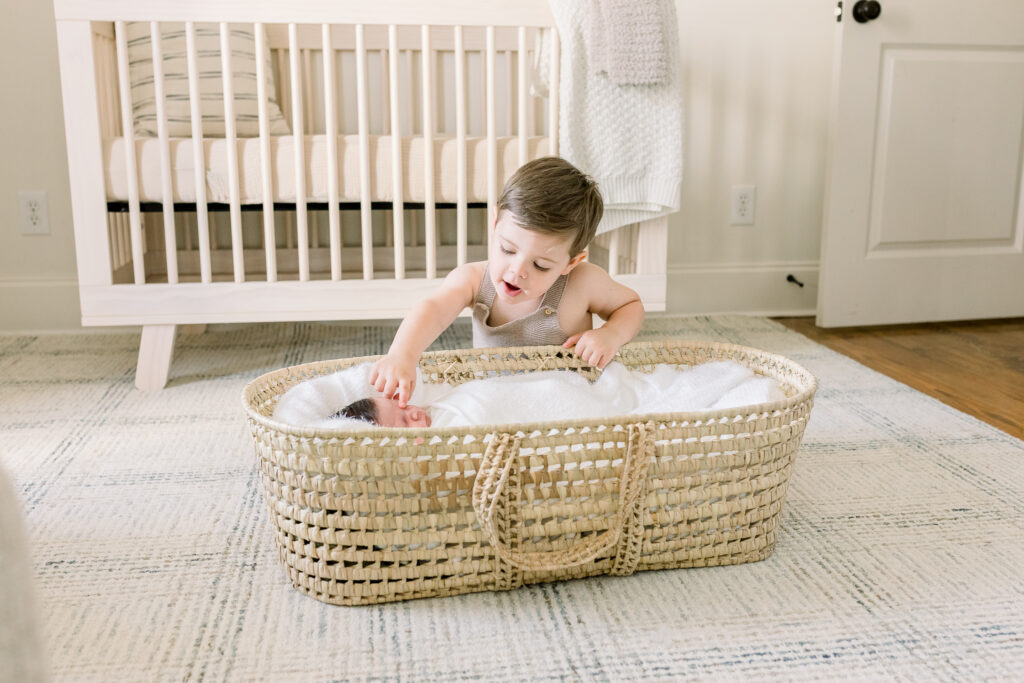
[[390, 415], [524, 264]]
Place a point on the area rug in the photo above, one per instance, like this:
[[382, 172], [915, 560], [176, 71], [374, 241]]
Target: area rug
[[901, 552]]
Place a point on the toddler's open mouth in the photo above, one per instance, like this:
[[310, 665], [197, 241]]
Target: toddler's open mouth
[[511, 290]]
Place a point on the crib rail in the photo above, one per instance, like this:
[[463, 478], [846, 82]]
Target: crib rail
[[382, 12]]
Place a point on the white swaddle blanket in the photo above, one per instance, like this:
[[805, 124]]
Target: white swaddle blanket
[[544, 396]]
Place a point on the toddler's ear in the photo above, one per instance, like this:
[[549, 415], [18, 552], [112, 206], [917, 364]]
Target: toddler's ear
[[575, 261]]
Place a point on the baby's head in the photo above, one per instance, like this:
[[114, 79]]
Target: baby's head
[[546, 216], [385, 412]]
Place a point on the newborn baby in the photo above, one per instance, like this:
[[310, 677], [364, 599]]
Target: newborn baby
[[531, 397], [385, 412], [559, 395]]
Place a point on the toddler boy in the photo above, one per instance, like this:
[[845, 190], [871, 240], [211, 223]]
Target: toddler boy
[[535, 288]]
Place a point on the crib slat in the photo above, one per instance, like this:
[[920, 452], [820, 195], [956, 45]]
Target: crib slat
[[307, 92], [384, 125], [298, 135], [126, 240], [492, 141], [461, 235], [108, 104], [412, 95], [122, 244], [129, 154], [651, 242], [632, 241], [364, 154], [198, 154], [331, 117], [481, 89], [285, 86], [427, 60], [167, 193], [613, 251], [116, 223], [384, 91], [522, 97], [266, 178], [553, 86], [510, 90], [396, 154], [116, 248], [231, 137], [186, 226]]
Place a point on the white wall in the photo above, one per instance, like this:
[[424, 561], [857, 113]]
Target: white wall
[[758, 81], [38, 287], [757, 75]]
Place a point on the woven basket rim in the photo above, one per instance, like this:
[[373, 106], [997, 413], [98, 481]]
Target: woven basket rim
[[807, 384]]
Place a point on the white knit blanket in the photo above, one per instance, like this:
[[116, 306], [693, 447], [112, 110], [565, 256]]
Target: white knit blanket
[[629, 138], [539, 396]]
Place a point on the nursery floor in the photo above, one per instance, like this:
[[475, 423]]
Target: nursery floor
[[974, 366], [900, 554]]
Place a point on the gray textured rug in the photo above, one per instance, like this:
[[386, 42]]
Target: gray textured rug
[[900, 555]]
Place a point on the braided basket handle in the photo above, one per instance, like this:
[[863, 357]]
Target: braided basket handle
[[502, 454]]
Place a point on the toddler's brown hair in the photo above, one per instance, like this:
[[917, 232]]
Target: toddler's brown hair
[[551, 196]]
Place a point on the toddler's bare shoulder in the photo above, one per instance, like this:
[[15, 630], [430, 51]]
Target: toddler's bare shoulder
[[586, 273], [468, 272], [467, 277]]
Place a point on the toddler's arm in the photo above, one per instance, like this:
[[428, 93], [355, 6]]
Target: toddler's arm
[[394, 375], [619, 306]]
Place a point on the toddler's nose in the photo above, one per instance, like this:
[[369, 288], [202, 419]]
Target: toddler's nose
[[518, 269]]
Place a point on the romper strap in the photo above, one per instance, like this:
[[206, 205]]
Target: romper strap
[[485, 292]]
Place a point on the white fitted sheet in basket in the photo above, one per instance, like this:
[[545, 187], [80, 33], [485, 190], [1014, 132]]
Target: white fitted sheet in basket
[[282, 150]]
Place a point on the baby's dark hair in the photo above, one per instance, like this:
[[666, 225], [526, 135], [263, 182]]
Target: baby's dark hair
[[551, 196], [364, 409]]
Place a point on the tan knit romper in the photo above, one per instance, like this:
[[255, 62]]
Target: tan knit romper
[[535, 329]]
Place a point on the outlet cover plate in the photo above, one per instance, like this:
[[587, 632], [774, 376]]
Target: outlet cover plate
[[742, 204], [35, 217]]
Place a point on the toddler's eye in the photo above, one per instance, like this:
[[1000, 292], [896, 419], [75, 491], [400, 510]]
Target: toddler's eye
[[541, 268], [506, 251]]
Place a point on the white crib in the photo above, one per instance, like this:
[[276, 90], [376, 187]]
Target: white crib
[[270, 230]]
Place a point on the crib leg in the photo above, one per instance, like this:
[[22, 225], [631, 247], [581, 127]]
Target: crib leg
[[155, 353]]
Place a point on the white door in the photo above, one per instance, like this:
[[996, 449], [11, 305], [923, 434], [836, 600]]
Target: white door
[[923, 218]]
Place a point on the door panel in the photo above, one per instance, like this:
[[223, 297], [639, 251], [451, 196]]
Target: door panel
[[923, 213]]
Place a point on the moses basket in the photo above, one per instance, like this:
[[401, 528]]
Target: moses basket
[[376, 515]]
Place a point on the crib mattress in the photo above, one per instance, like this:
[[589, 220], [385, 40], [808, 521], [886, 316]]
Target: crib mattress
[[282, 168]]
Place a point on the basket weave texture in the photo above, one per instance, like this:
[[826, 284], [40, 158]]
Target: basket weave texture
[[382, 514]]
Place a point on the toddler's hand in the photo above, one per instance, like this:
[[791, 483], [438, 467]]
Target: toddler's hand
[[395, 377], [596, 347]]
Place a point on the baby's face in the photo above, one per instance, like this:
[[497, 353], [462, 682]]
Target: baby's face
[[389, 414]]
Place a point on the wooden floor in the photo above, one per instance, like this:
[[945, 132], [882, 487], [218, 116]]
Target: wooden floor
[[977, 367]]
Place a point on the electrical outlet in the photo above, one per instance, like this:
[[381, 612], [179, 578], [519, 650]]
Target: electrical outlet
[[35, 218], [742, 205]]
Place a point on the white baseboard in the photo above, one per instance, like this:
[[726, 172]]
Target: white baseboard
[[743, 288], [36, 304]]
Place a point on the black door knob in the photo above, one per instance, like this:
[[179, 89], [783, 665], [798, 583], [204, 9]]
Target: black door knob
[[866, 10]]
